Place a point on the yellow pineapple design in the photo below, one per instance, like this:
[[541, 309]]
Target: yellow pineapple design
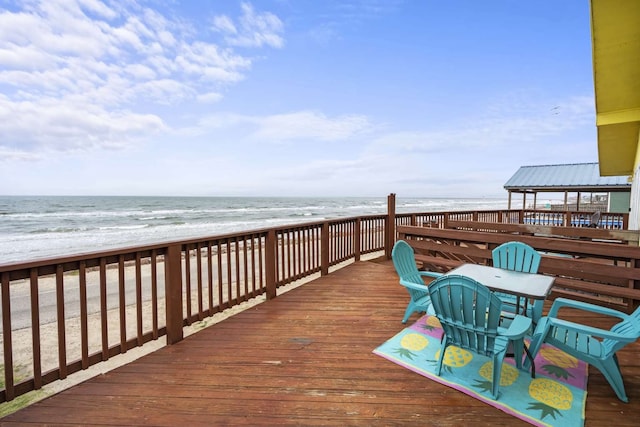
[[559, 357], [508, 376], [455, 357], [410, 343], [431, 323], [559, 361], [552, 397]]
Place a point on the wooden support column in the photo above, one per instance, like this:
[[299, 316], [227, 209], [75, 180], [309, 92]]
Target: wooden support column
[[578, 202], [173, 293], [390, 226]]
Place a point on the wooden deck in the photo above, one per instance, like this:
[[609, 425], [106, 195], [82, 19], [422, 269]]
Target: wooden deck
[[304, 358]]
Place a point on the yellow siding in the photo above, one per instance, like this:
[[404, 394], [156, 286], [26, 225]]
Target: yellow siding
[[615, 27]]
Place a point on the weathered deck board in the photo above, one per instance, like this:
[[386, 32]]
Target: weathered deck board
[[304, 358]]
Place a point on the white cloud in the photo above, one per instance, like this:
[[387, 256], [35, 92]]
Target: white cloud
[[254, 29], [48, 124], [507, 122], [224, 24], [8, 154], [310, 125], [209, 98], [101, 67], [303, 125]]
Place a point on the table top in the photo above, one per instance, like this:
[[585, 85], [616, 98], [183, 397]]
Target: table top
[[535, 286]]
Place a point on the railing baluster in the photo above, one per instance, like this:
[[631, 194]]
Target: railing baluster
[[230, 297], [122, 304], [187, 272], [261, 256], [220, 277], [104, 321], [245, 268], [62, 340], [35, 328], [84, 328], [7, 338], [199, 278], [139, 298], [210, 276], [239, 296], [288, 260], [254, 238], [154, 294]]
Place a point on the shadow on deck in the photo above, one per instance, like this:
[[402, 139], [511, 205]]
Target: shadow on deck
[[304, 358]]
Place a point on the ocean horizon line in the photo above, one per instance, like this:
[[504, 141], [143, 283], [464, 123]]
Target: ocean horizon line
[[44, 226]]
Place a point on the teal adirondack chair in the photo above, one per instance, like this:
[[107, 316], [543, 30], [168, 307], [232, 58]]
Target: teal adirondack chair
[[404, 261], [595, 346], [470, 316], [518, 256]]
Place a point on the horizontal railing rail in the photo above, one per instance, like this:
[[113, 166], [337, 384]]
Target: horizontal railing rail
[[63, 315]]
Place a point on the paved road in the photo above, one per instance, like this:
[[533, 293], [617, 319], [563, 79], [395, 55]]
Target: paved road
[[21, 298]]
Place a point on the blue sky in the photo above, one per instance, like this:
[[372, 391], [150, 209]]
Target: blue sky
[[421, 98]]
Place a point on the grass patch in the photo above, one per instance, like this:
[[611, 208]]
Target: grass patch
[[22, 401]]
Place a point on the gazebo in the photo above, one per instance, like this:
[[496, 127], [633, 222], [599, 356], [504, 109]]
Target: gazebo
[[578, 178]]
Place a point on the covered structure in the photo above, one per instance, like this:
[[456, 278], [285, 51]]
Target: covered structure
[[615, 31], [576, 178]]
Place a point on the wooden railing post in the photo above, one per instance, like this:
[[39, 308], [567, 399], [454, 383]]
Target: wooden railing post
[[173, 293], [324, 250], [356, 239], [270, 263], [390, 226]]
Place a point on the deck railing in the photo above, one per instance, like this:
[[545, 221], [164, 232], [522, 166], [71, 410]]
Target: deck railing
[[608, 220], [85, 309], [63, 315]]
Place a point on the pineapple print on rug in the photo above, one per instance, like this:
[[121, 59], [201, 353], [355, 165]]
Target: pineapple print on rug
[[556, 397]]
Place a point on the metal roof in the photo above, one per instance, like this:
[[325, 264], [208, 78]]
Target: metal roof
[[568, 177]]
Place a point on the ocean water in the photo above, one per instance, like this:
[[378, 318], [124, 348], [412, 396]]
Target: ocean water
[[35, 227]]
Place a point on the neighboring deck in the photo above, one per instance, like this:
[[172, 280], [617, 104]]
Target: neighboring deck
[[304, 358]]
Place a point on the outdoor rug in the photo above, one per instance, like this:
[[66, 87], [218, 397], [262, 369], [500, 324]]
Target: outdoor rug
[[556, 396]]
